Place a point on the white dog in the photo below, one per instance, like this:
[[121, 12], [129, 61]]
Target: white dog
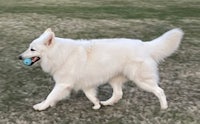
[[86, 64]]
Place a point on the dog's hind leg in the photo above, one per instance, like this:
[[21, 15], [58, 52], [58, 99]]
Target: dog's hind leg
[[91, 95], [149, 86], [59, 92], [116, 83], [147, 78]]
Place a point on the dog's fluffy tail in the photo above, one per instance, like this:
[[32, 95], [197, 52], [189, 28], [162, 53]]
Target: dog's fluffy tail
[[165, 45]]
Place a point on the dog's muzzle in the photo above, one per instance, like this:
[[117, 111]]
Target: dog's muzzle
[[20, 57], [33, 59]]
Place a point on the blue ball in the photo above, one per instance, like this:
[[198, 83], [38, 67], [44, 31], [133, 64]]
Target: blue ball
[[27, 61]]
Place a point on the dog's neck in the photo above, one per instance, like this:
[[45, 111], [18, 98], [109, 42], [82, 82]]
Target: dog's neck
[[49, 60]]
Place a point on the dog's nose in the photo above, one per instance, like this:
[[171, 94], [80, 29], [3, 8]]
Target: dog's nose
[[20, 57]]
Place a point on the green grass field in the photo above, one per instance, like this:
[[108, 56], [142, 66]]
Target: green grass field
[[21, 87]]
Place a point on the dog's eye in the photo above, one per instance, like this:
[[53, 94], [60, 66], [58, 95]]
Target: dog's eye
[[32, 49]]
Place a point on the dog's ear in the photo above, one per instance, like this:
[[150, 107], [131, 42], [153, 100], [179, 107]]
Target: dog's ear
[[49, 40], [48, 30], [49, 37]]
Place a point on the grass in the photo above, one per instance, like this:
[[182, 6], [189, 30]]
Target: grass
[[108, 11], [20, 87]]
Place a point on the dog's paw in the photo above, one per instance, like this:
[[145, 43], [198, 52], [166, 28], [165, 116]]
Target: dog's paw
[[105, 103], [164, 107], [96, 107], [41, 106]]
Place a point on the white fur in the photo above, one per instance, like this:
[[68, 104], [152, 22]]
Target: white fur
[[86, 64]]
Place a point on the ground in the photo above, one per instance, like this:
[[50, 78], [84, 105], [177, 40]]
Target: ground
[[21, 87]]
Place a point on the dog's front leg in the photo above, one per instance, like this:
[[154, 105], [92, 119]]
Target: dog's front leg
[[91, 95], [59, 92]]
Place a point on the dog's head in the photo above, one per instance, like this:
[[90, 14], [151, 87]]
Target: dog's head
[[38, 47]]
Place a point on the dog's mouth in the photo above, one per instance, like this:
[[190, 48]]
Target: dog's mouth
[[35, 59]]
